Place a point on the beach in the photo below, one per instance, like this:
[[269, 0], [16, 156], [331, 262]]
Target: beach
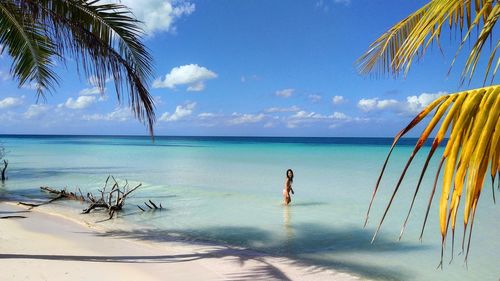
[[227, 192], [46, 246]]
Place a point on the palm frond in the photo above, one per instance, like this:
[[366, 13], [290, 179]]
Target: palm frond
[[382, 53], [113, 40], [471, 118], [103, 39], [395, 51], [25, 41]]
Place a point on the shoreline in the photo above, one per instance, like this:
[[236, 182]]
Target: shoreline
[[48, 245]]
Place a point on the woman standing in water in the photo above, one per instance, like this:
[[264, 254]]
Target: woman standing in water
[[288, 187]]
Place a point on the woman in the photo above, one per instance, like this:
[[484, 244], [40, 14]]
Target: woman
[[288, 187]]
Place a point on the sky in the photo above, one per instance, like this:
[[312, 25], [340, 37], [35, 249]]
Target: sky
[[248, 68]]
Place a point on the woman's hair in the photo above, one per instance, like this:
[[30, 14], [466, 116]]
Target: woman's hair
[[291, 178]]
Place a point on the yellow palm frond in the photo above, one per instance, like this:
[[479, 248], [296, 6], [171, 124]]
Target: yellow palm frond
[[396, 49], [471, 118]]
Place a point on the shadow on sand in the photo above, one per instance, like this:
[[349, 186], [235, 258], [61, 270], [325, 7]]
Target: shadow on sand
[[305, 246], [265, 270]]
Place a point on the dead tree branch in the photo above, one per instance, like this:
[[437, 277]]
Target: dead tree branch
[[63, 193], [112, 201], [152, 206], [4, 169], [60, 194]]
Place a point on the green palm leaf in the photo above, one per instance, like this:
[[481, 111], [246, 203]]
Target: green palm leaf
[[26, 43], [104, 40]]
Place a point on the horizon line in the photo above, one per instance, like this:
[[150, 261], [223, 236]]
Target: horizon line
[[209, 136]]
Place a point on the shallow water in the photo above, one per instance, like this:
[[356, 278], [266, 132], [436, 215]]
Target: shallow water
[[228, 190]]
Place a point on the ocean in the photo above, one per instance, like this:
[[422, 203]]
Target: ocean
[[229, 190]]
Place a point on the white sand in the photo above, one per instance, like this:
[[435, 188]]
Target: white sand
[[49, 247]]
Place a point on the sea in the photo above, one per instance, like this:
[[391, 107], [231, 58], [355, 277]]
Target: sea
[[228, 190]]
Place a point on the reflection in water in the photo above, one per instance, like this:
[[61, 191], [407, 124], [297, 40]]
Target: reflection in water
[[287, 217]]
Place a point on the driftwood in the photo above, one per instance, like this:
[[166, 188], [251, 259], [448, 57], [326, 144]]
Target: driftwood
[[61, 194], [64, 193], [111, 201], [4, 169], [152, 207]]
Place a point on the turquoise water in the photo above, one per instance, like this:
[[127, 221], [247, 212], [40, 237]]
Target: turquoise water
[[228, 190]]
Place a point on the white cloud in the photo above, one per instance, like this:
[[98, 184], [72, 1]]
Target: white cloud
[[80, 103], [338, 116], [181, 112], [192, 75], [293, 108], [90, 91], [36, 110], [269, 125], [238, 118], [196, 87], [338, 99], [210, 119], [9, 116], [119, 114], [314, 97], [377, 104], [268, 120], [93, 117], [32, 86], [415, 104], [95, 89], [207, 115], [158, 100], [304, 117], [158, 15], [11, 102], [388, 103], [367, 104], [313, 115], [412, 105], [94, 82], [285, 93]]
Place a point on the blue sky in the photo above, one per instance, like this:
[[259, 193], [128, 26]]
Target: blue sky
[[262, 68]]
